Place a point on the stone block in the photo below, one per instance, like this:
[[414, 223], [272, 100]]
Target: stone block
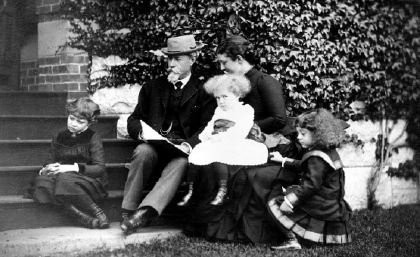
[[353, 156], [52, 78], [117, 100], [66, 87], [68, 68], [79, 59], [45, 70], [83, 69], [356, 186], [73, 78], [43, 87], [49, 60]]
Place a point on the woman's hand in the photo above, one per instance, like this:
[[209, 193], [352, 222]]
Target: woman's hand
[[49, 169], [62, 168], [277, 157]]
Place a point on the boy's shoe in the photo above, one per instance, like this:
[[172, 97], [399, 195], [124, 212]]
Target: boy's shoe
[[292, 244]]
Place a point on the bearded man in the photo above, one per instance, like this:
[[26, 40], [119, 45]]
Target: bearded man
[[178, 108]]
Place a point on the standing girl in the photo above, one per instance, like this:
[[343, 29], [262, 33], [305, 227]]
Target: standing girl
[[224, 140], [76, 176], [315, 210]]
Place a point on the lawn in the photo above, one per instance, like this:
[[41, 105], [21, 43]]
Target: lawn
[[392, 232]]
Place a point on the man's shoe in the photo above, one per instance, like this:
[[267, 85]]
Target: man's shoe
[[292, 244], [140, 218], [125, 215]]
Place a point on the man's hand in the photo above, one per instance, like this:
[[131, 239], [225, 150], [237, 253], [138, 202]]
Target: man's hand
[[184, 148]]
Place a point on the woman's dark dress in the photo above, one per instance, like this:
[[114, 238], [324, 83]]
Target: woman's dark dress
[[244, 216], [87, 151]]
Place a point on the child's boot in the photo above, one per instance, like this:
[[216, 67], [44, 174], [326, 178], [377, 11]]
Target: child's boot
[[188, 196], [81, 217], [100, 215], [290, 244], [221, 194]]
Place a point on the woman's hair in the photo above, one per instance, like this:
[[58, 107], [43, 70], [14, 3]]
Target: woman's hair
[[234, 46], [328, 132], [237, 84], [84, 108]]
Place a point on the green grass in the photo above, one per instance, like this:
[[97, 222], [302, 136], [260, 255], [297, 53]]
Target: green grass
[[393, 232]]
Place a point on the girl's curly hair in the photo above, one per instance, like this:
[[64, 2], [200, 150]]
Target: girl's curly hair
[[84, 108], [328, 132]]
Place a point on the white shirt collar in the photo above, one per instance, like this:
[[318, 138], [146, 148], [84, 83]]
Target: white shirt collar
[[184, 81]]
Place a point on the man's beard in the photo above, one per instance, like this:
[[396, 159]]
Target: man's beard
[[173, 76]]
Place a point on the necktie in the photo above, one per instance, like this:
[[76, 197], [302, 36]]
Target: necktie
[[178, 85]]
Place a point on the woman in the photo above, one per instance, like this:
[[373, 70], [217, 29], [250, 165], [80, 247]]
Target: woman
[[244, 216], [266, 96]]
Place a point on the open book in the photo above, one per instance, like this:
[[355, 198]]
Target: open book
[[152, 137]]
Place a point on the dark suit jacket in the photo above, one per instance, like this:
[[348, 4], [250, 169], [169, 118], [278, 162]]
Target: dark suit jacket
[[197, 108]]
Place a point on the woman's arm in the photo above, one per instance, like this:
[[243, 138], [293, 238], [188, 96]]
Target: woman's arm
[[272, 97]]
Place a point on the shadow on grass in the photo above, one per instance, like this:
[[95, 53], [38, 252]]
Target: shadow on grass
[[392, 232]]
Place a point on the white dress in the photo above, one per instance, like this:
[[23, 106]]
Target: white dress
[[231, 146]]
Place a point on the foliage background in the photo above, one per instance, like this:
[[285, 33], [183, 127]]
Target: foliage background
[[326, 52]]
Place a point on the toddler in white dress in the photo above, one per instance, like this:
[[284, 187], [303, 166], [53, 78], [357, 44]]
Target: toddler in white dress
[[224, 140]]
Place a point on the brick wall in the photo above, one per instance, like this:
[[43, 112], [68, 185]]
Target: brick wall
[[58, 73], [28, 74], [52, 71], [47, 10]]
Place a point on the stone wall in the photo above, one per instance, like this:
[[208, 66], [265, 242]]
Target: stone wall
[[359, 163]]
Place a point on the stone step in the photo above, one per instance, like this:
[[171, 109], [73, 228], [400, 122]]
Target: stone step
[[36, 152], [72, 240], [46, 126], [15, 180], [33, 103], [17, 212]]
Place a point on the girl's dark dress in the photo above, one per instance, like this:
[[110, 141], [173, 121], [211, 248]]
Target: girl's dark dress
[[320, 213], [86, 150], [244, 216]]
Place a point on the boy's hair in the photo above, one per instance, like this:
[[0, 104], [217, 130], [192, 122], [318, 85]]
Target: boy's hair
[[328, 132], [237, 84], [83, 108], [236, 45]]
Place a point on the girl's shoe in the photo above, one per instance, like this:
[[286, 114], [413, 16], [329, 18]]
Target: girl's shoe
[[83, 218], [100, 215], [291, 244], [185, 199], [188, 196], [220, 197]]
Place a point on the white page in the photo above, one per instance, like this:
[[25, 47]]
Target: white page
[[149, 133]]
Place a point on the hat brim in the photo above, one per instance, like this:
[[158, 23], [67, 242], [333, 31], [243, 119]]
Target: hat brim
[[198, 47]]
